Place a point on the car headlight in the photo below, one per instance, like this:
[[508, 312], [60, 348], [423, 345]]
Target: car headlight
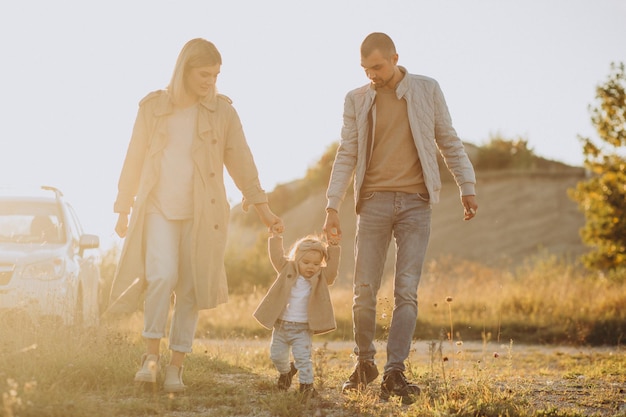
[[48, 270]]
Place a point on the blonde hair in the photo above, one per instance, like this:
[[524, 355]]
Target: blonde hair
[[196, 53], [306, 244]]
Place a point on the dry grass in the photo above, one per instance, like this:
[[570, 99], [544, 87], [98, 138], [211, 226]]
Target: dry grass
[[472, 356], [545, 300], [91, 376]]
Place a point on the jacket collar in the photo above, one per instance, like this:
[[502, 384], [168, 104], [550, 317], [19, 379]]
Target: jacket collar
[[403, 86], [401, 89], [165, 106], [210, 103]]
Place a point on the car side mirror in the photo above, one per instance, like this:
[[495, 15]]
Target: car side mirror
[[88, 242]]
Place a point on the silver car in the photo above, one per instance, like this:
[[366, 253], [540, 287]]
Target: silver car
[[46, 268]]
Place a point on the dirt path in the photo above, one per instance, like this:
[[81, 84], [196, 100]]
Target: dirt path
[[573, 381]]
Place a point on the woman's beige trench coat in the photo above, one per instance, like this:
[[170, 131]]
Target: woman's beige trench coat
[[219, 142]]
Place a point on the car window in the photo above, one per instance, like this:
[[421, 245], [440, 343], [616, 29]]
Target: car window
[[31, 222], [75, 226]]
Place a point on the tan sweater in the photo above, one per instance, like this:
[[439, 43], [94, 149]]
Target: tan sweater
[[395, 164]]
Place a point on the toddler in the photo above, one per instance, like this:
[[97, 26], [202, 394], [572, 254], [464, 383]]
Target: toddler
[[298, 305]]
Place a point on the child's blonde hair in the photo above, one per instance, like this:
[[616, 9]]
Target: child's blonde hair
[[308, 243]]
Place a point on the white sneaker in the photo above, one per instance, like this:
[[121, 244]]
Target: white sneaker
[[149, 369], [173, 379]]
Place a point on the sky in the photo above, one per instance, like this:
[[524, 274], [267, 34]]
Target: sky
[[75, 71]]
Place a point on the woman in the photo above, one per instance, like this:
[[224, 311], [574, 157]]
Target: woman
[[172, 187]]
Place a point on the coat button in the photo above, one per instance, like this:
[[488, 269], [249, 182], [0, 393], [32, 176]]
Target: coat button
[[217, 226], [212, 201], [212, 174], [214, 141]]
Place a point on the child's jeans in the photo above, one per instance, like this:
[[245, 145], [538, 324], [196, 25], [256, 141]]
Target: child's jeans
[[298, 337]]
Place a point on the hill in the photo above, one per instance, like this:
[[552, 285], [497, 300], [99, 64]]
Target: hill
[[521, 214]]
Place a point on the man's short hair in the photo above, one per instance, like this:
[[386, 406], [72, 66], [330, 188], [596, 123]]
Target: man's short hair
[[380, 41]]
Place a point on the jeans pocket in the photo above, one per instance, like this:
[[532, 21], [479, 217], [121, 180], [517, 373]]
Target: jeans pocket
[[368, 196], [363, 198]]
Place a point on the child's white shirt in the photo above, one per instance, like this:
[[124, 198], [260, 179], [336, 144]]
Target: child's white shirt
[[298, 304]]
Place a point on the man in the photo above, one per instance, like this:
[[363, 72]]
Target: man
[[392, 130]]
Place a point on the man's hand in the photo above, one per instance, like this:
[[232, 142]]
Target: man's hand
[[469, 206], [332, 227]]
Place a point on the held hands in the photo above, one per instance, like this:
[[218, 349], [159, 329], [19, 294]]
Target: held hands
[[332, 227], [273, 222], [469, 206], [277, 228]]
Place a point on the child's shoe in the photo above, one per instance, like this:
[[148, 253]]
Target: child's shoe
[[284, 380], [307, 391], [149, 369], [173, 379]]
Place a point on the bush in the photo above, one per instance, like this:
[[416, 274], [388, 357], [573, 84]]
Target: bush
[[501, 153]]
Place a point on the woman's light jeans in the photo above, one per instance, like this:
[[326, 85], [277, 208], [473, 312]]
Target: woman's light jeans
[[168, 269], [288, 335], [381, 216]]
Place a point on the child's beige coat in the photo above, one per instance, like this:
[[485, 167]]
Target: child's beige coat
[[321, 313]]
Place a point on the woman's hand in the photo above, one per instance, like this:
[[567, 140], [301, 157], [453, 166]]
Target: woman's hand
[[122, 225], [277, 228], [273, 222]]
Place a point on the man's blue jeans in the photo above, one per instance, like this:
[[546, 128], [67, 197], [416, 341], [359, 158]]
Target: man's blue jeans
[[381, 216]]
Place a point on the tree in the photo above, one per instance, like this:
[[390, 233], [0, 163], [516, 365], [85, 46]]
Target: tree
[[602, 197]]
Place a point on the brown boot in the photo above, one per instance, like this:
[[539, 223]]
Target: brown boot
[[364, 373]]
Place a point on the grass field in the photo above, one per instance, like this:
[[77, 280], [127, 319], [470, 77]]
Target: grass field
[[545, 340]]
